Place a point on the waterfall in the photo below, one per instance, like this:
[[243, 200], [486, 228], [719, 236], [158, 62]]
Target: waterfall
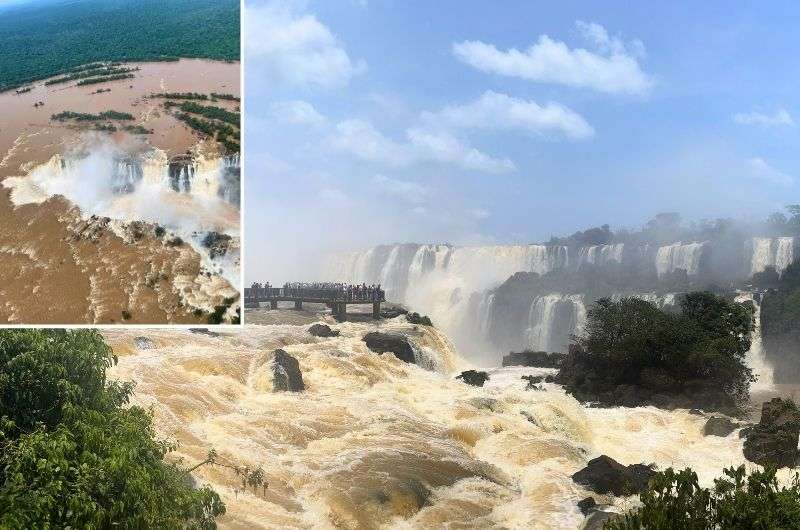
[[679, 255], [547, 329], [600, 254], [771, 252], [756, 359]]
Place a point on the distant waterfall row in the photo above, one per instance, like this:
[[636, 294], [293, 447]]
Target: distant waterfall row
[[197, 176]]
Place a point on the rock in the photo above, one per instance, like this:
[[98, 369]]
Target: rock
[[392, 312], [217, 244], [204, 331], [416, 318], [719, 426], [287, 375], [745, 432], [773, 440], [486, 403], [532, 381], [539, 359], [696, 412], [392, 343], [143, 343], [323, 330], [473, 377], [597, 520], [586, 505], [605, 475]]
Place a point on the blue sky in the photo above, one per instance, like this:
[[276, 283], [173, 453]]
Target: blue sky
[[377, 121]]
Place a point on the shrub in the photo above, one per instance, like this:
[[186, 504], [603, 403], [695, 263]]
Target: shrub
[[675, 501], [74, 453]]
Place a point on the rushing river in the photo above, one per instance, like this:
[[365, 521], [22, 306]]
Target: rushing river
[[374, 442]]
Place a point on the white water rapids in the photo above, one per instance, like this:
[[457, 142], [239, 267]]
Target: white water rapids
[[376, 443]]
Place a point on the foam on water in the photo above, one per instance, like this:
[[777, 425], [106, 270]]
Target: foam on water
[[377, 443]]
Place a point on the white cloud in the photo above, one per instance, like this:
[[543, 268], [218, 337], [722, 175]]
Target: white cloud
[[361, 139], [760, 169], [404, 189], [613, 67], [293, 48], [443, 147], [501, 112], [297, 112], [780, 117]]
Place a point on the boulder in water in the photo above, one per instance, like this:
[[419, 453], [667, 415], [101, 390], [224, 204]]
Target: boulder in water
[[392, 312], [605, 475], [217, 244], [473, 377], [597, 520], [286, 372], [323, 330], [719, 426], [586, 505], [143, 343], [533, 380], [773, 440], [204, 331], [416, 318], [539, 359], [390, 342]]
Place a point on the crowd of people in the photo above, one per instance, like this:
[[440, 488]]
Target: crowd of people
[[324, 290]]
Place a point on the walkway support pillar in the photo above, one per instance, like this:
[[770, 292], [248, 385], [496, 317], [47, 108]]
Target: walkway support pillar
[[273, 304], [376, 310], [298, 304]]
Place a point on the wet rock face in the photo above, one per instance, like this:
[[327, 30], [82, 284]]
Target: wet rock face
[[719, 426], [217, 244], [605, 475], [143, 343], [287, 374], [773, 441], [473, 377], [416, 318], [392, 343], [538, 359], [323, 330]]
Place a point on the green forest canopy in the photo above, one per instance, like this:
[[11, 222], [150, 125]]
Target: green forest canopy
[[45, 38]]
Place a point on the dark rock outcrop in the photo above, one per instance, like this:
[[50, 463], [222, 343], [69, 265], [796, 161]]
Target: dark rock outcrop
[[217, 244], [719, 426], [586, 505], [323, 330], [392, 312], [605, 475], [773, 440], [389, 342], [591, 381], [533, 381], [416, 318], [597, 519], [204, 331], [473, 377], [286, 372], [539, 359]]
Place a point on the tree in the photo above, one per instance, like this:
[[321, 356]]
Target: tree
[[74, 453], [675, 501]]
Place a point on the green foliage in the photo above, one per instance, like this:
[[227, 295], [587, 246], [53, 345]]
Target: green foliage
[[180, 95], [43, 39], [217, 316], [90, 72], [675, 501], [74, 454], [83, 116], [103, 79], [780, 322], [634, 342], [211, 112], [227, 97]]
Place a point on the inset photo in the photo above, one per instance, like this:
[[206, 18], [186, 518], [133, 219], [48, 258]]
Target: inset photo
[[120, 162]]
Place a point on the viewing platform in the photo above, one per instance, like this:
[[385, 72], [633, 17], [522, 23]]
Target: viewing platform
[[336, 296]]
